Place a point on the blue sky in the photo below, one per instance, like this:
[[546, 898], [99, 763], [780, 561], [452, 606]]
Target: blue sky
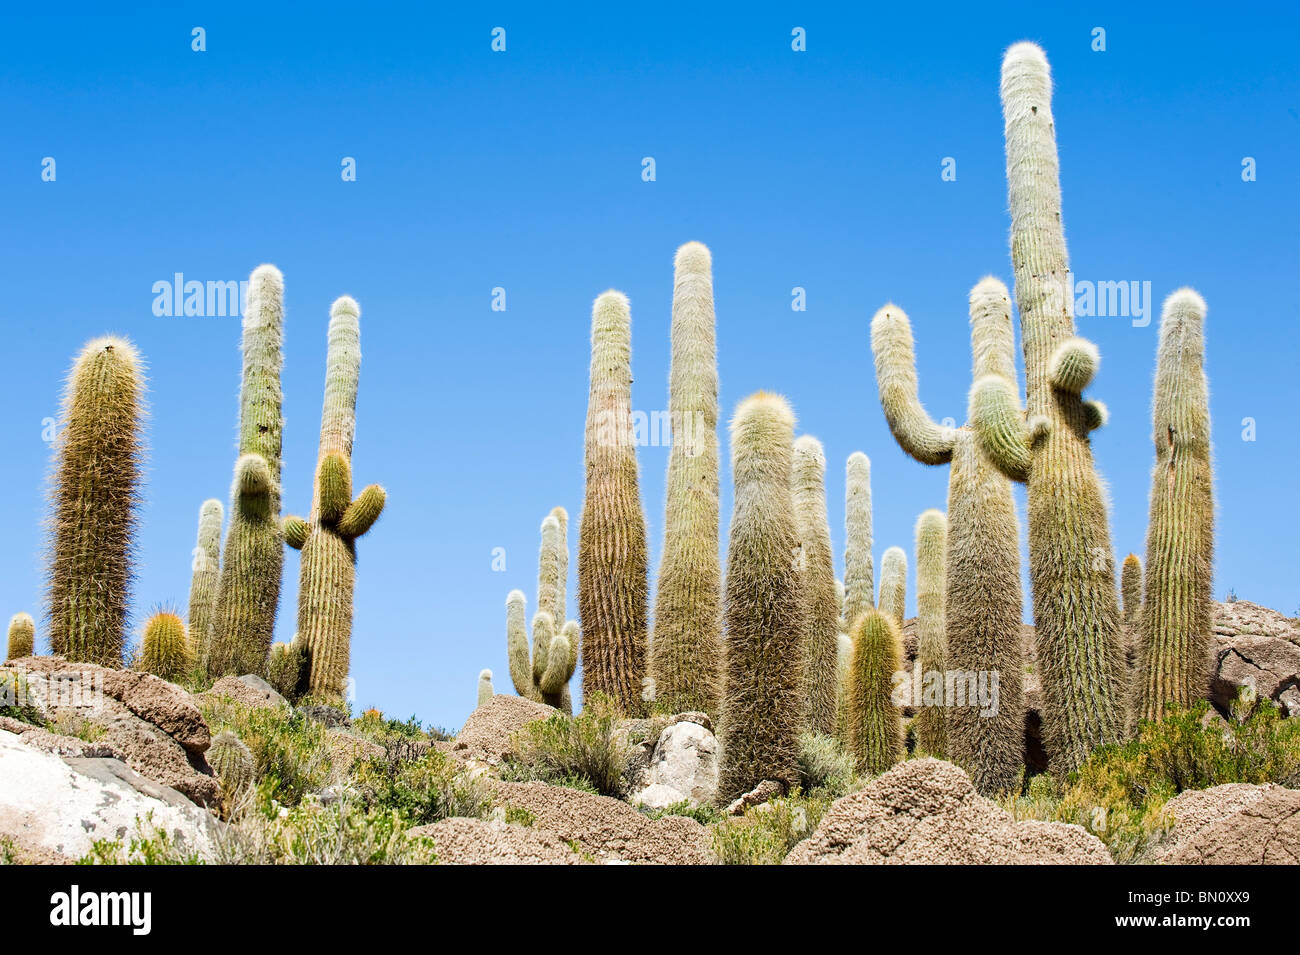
[[522, 170]]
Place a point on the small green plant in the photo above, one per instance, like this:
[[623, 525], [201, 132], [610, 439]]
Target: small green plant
[[68, 722], [289, 750], [705, 815], [421, 791], [16, 700], [824, 767], [517, 816], [586, 747], [149, 845], [765, 834]]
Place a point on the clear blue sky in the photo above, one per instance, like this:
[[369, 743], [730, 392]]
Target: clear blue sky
[[522, 170]]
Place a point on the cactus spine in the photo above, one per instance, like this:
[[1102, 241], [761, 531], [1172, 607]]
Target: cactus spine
[[328, 537], [1075, 606], [95, 497], [612, 585], [1175, 622], [932, 636], [893, 585], [859, 574], [1131, 589], [686, 652], [875, 725], [205, 573], [485, 691], [233, 763], [248, 588], [817, 574], [763, 705], [164, 650], [544, 675], [22, 636]]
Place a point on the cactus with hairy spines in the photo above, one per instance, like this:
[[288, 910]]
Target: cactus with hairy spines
[[859, 572], [233, 763], [543, 675], [686, 651], [164, 648], [1174, 627], [893, 585], [288, 668], [875, 730], [485, 691], [328, 537], [205, 569], [932, 635], [822, 608], [843, 662], [613, 588], [22, 636], [763, 705], [1131, 589], [1046, 445], [95, 497], [248, 588]]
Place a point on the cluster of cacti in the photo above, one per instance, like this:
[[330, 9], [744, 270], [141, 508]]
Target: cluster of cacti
[[248, 588], [686, 649], [822, 608], [232, 761], [932, 635], [289, 668], [1174, 625], [544, 674], [327, 538], [164, 647], [205, 573], [485, 691], [95, 500], [875, 726], [893, 585], [613, 589], [22, 636]]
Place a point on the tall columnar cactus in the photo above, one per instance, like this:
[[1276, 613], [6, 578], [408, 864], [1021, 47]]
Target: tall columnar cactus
[[1076, 610], [875, 724], [612, 585], [544, 674], [248, 589], [817, 572], [205, 574], [843, 661], [859, 573], [328, 538], [1131, 589], [893, 585], [485, 691], [164, 648], [932, 635], [22, 636], [982, 602], [1175, 622], [763, 705], [96, 499], [686, 652]]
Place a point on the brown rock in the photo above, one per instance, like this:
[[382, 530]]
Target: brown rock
[[345, 748], [1235, 824], [250, 691], [486, 734], [461, 841], [765, 791], [55, 743]]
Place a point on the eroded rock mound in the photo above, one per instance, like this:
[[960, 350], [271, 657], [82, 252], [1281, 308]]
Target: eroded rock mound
[[1257, 647], [486, 734], [1235, 824], [249, 690], [461, 841]]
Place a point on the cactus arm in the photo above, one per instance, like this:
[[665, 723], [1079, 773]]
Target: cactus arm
[[363, 512], [1073, 365], [570, 632], [295, 531], [912, 427], [999, 426], [334, 486], [558, 668], [543, 635], [1096, 414], [521, 667]]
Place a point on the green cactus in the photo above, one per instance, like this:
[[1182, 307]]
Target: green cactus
[[1131, 589], [544, 675], [859, 574], [248, 588], [932, 635], [875, 724], [232, 761], [817, 575], [22, 636], [1174, 627], [205, 571], [613, 589], [164, 649], [485, 691], [686, 651], [1076, 609], [328, 538], [96, 501], [982, 603], [289, 668], [763, 704], [893, 585]]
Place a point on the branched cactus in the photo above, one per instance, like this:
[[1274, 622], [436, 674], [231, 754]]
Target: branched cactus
[[817, 572], [485, 691], [763, 705], [859, 573], [205, 571], [875, 724], [1076, 610], [893, 585], [686, 652], [96, 499], [328, 538], [248, 589], [613, 589], [289, 669], [982, 603], [932, 635], [1174, 628], [543, 675], [164, 648], [22, 636], [232, 761]]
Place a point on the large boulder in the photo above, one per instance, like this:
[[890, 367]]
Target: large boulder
[[925, 811], [461, 841], [1234, 824], [683, 767], [249, 690], [487, 733], [53, 805], [1254, 647]]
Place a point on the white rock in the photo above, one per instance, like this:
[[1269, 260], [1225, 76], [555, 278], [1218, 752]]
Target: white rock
[[683, 767]]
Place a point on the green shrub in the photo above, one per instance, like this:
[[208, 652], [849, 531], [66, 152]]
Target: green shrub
[[16, 701], [518, 816], [422, 791], [705, 815], [587, 748], [766, 833], [289, 751], [149, 846], [824, 767]]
